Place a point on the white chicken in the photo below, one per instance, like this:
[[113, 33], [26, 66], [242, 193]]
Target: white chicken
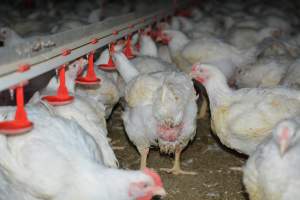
[[146, 61], [185, 52], [272, 172], [11, 39], [206, 27], [245, 37], [59, 154], [106, 93], [161, 111], [147, 46], [271, 67], [267, 72], [243, 118], [87, 112]]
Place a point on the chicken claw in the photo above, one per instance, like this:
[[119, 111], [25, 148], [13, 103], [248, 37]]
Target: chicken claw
[[203, 108], [176, 170]]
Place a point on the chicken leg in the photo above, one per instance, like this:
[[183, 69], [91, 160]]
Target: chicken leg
[[203, 108], [176, 170], [144, 154], [113, 143]]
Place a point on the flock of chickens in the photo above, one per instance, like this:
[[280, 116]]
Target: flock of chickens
[[245, 55]]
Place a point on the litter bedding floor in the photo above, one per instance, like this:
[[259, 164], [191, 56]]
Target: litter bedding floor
[[219, 176]]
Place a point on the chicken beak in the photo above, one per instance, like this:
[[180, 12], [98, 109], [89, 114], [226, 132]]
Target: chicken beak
[[283, 147], [160, 192], [199, 79]]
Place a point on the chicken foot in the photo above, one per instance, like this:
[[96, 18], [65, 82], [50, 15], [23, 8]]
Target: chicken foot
[[144, 154], [176, 170]]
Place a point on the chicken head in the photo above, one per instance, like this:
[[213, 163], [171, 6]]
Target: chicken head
[[146, 189]]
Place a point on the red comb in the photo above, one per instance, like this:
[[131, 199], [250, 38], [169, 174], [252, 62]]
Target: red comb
[[155, 176]]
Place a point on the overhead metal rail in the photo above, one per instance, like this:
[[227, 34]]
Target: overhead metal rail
[[79, 42]]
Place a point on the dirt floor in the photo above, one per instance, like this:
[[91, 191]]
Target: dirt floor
[[219, 177]]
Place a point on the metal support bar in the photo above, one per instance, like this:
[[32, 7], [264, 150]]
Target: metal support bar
[[78, 41]]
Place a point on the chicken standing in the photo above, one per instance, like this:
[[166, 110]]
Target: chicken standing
[[272, 172], [59, 154], [243, 118], [161, 111]]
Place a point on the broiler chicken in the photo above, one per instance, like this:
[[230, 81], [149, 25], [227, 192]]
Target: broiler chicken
[[245, 37], [11, 39], [148, 60], [207, 27], [161, 111], [147, 46], [266, 72], [145, 62], [106, 93], [185, 52], [87, 112], [271, 66], [59, 154], [243, 118], [272, 172]]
